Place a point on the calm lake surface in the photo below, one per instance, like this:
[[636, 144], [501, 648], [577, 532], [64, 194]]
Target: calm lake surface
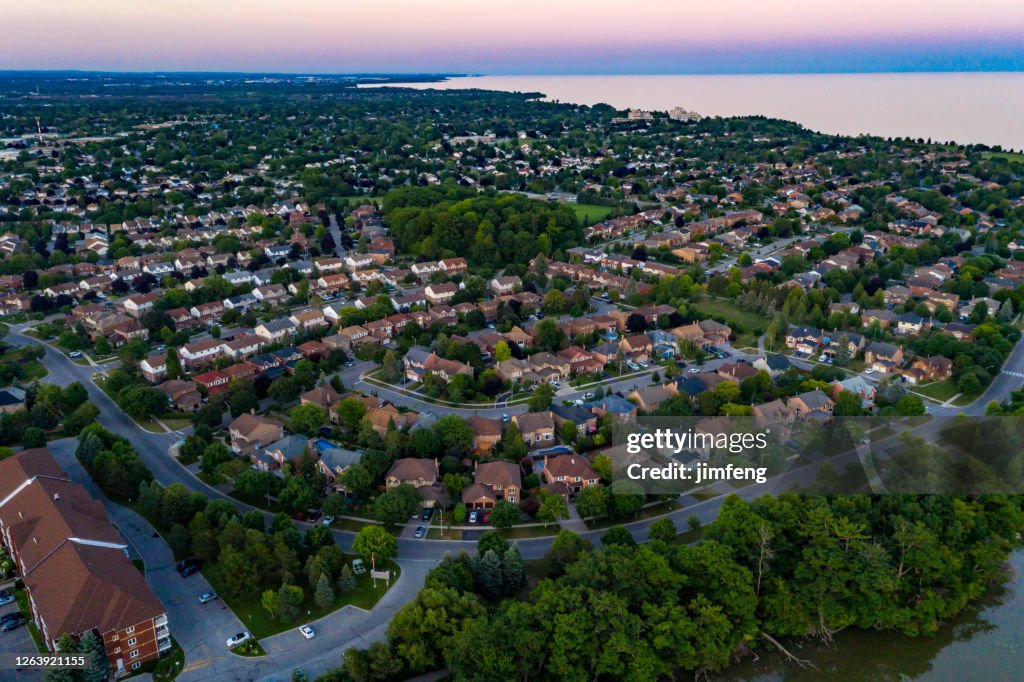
[[985, 643], [968, 108]]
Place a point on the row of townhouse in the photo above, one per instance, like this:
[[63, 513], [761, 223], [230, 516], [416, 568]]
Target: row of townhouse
[[74, 564]]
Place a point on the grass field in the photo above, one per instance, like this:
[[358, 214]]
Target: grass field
[[589, 214], [260, 623], [732, 313]]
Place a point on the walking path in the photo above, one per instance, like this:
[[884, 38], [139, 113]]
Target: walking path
[[574, 522]]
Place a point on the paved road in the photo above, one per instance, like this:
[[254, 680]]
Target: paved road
[[335, 231]]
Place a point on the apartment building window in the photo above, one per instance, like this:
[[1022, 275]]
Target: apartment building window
[[131, 642], [130, 630], [136, 665], [134, 653]]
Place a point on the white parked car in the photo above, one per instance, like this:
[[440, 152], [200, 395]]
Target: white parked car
[[328, 520], [307, 632], [643, 363], [75, 354], [869, 370], [207, 597], [240, 638]]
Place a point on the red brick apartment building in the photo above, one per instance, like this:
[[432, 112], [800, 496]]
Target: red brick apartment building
[[75, 565]]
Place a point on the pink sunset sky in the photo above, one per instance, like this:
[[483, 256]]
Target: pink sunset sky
[[523, 36]]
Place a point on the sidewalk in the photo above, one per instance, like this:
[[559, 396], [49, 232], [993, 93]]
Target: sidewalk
[[574, 522]]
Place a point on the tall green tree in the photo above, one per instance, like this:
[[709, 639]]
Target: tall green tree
[[324, 595]]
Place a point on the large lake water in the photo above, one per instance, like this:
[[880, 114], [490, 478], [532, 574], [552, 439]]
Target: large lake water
[[968, 108]]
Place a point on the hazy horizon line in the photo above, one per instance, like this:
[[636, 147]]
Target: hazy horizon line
[[453, 74]]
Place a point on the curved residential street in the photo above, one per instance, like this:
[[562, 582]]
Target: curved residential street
[[201, 630]]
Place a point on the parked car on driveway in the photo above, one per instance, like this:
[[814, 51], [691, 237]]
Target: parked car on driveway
[[421, 531], [191, 569], [328, 520], [472, 517], [427, 513], [207, 597], [235, 640], [5, 597]]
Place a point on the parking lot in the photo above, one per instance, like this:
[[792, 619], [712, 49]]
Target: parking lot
[[17, 642]]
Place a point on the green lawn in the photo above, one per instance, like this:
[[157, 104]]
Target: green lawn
[[250, 649], [531, 530], [939, 390], [356, 526], [444, 534], [261, 624], [659, 509], [589, 214], [33, 370], [717, 307], [259, 502], [177, 420]]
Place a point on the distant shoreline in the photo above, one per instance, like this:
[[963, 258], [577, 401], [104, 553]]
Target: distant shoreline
[[918, 105]]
